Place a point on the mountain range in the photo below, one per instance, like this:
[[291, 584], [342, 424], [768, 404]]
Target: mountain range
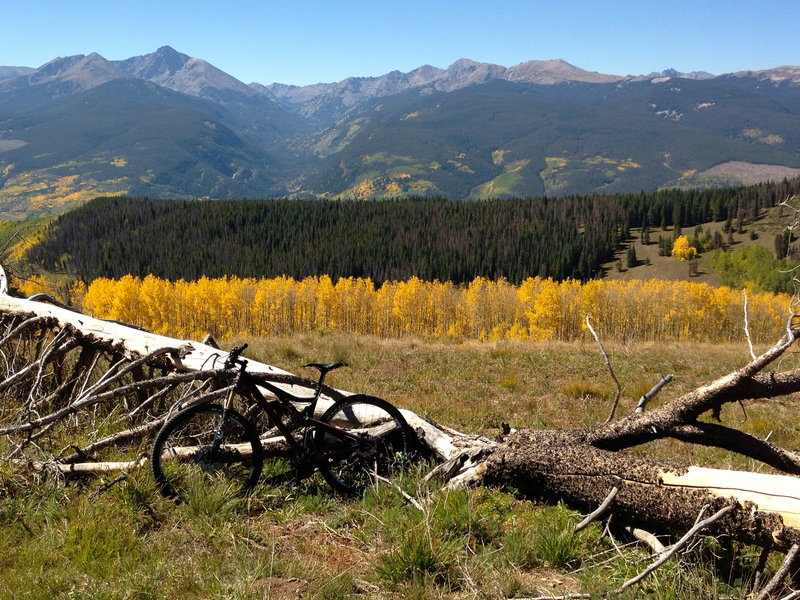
[[169, 125]]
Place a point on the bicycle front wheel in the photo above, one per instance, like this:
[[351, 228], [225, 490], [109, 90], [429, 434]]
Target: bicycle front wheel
[[375, 441], [206, 446]]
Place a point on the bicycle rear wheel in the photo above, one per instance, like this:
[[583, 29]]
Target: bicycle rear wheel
[[378, 442], [206, 446]]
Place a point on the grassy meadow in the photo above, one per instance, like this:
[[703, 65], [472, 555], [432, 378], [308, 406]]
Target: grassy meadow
[[78, 540]]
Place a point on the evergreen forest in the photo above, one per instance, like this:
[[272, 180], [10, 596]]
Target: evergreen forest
[[433, 239]]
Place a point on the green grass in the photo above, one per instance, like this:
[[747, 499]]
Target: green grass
[[63, 540]]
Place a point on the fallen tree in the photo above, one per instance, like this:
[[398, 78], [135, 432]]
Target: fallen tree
[[113, 385]]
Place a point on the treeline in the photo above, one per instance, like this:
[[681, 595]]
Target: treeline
[[537, 309], [432, 239]]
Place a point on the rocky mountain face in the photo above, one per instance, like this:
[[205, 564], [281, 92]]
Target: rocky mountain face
[[167, 124], [779, 75], [67, 75], [181, 73]]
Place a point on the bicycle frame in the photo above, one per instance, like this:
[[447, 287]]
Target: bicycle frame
[[247, 385], [356, 437]]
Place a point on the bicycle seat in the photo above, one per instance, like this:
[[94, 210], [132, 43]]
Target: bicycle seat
[[325, 367]]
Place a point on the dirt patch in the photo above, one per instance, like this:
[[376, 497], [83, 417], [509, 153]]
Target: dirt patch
[[8, 145], [550, 582], [750, 173], [278, 587]]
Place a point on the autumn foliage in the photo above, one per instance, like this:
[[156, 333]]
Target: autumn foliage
[[682, 250], [537, 309]]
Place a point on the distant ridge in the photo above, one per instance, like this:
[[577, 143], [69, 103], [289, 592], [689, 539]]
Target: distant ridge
[[786, 74], [674, 73], [72, 73], [462, 73], [9, 72]]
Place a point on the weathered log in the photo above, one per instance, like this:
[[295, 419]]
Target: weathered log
[[651, 494], [131, 342]]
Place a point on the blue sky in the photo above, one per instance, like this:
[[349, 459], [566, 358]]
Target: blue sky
[[305, 42]]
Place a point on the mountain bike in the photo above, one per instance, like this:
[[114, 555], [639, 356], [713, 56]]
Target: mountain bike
[[357, 439]]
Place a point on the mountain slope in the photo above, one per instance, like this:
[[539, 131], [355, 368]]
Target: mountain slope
[[125, 137], [501, 139], [167, 124], [9, 72]]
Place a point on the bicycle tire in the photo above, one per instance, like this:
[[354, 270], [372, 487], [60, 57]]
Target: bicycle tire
[[383, 446], [187, 460]]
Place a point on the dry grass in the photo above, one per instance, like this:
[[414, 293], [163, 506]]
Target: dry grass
[[477, 386], [291, 542]]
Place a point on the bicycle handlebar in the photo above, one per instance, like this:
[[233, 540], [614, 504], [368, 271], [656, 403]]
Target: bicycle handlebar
[[233, 357]]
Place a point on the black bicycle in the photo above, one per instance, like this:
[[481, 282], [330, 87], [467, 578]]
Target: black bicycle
[[357, 439]]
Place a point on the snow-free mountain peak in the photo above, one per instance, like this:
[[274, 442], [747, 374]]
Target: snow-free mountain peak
[[79, 72], [159, 65], [549, 72], [181, 73]]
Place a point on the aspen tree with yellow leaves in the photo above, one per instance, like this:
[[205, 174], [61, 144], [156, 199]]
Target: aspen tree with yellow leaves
[[682, 250]]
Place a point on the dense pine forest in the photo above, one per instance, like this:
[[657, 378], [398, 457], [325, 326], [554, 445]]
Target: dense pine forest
[[432, 239]]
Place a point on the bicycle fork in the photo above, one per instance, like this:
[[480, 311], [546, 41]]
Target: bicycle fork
[[226, 405]]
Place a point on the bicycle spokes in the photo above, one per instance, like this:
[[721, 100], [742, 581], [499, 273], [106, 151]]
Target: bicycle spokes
[[206, 445], [363, 438]]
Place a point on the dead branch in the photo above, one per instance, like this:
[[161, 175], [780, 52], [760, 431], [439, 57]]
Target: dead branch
[[780, 574], [89, 468], [647, 538], [676, 547], [86, 400], [747, 328], [24, 325], [734, 440], [744, 384], [645, 399], [610, 369], [600, 510]]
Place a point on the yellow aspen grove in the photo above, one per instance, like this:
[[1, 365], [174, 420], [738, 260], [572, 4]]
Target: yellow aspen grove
[[444, 300], [157, 310], [537, 309], [274, 306], [356, 298], [125, 305], [306, 309], [682, 250], [473, 311]]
